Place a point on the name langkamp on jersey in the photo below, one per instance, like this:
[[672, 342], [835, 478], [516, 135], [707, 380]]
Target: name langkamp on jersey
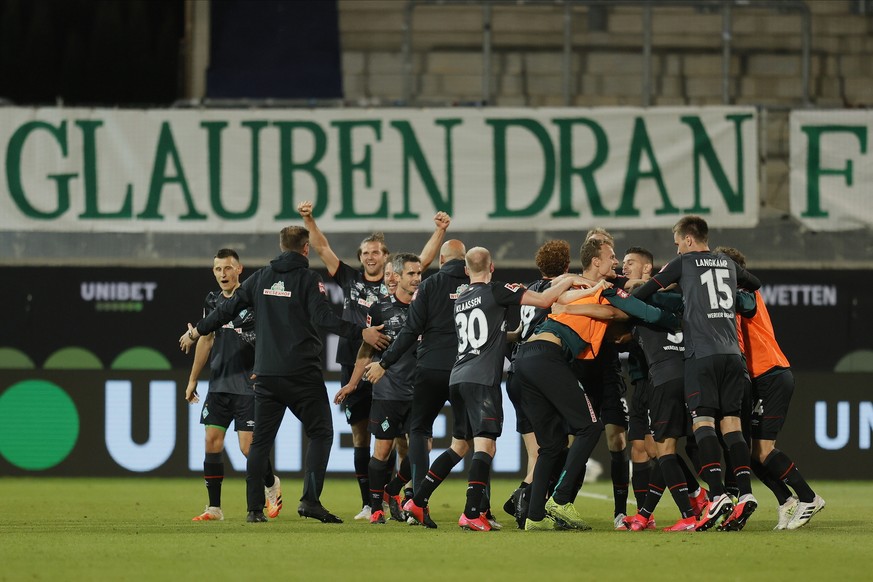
[[711, 262]]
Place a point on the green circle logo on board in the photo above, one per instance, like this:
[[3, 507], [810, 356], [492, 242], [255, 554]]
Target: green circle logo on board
[[39, 425]]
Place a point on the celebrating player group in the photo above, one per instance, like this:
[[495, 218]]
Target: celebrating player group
[[701, 352]]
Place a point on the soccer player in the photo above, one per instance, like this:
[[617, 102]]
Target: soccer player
[[772, 388], [552, 397], [605, 385], [392, 396], [480, 324], [553, 260], [361, 289], [290, 300], [637, 264], [714, 370], [230, 352], [431, 317], [666, 418]]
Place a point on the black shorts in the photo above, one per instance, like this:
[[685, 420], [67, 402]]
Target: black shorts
[[670, 418], [638, 423], [514, 391], [771, 393], [605, 386], [714, 385], [431, 392], [220, 408], [356, 406], [477, 410], [389, 419], [554, 400]]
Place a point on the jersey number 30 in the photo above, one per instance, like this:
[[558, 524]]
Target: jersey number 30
[[472, 330]]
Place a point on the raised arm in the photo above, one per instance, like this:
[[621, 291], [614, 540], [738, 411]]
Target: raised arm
[[317, 240], [441, 221]]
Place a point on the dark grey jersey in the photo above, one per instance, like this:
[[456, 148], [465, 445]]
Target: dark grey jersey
[[664, 353], [397, 382], [233, 351], [358, 295], [709, 287], [480, 324]]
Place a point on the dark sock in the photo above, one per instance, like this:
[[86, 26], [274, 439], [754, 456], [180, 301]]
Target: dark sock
[[213, 472], [377, 472], [779, 488], [783, 468], [741, 461], [440, 469], [693, 453], [675, 480], [620, 477], [400, 479], [362, 462], [486, 494], [640, 481], [690, 476], [656, 490], [407, 493], [729, 475], [480, 469], [710, 460]]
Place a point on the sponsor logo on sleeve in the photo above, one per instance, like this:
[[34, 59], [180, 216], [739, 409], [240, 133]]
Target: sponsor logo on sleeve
[[514, 287]]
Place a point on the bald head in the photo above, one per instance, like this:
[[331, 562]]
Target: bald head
[[478, 261], [451, 250]]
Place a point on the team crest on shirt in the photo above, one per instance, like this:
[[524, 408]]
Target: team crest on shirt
[[622, 293], [383, 289], [514, 287], [385, 425], [461, 288], [277, 290]]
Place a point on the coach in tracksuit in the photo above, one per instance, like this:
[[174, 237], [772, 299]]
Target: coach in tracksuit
[[431, 316], [291, 301]]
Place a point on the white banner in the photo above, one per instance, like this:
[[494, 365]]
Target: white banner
[[832, 169], [102, 170]]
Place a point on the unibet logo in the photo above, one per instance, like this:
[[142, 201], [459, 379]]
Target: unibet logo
[[39, 425], [118, 295]]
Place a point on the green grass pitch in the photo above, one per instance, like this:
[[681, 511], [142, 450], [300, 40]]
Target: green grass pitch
[[141, 529]]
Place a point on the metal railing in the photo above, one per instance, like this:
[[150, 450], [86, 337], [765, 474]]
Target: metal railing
[[726, 8]]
